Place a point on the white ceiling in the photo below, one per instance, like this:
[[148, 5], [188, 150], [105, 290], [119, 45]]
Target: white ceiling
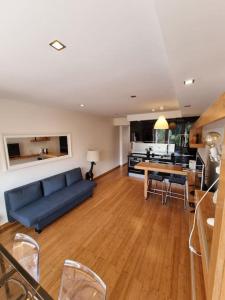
[[114, 49]]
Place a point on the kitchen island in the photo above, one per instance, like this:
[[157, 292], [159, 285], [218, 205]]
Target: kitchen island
[[170, 169]]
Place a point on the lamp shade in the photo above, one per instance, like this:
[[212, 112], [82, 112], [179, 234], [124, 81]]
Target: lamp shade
[[92, 155], [161, 123]]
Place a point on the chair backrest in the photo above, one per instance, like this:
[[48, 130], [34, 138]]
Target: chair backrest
[[26, 252], [79, 282]]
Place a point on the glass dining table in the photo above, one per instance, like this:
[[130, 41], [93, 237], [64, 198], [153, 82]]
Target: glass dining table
[[15, 282]]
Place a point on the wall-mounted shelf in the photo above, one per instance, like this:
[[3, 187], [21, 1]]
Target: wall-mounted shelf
[[40, 139], [196, 146], [195, 138]]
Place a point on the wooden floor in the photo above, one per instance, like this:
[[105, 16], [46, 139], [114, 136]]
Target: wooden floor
[[138, 247]]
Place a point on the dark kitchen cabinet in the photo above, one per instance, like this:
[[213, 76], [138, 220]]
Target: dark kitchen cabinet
[[148, 131], [136, 131], [178, 133], [142, 131]]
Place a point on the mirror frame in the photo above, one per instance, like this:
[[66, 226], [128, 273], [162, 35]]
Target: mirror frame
[[38, 162]]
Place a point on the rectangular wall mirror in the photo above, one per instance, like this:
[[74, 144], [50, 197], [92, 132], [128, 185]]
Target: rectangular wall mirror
[[28, 150]]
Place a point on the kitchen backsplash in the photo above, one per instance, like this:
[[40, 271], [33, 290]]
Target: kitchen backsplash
[[138, 147]]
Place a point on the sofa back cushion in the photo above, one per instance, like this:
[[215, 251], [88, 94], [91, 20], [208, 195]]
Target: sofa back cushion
[[22, 196], [53, 184], [73, 176]]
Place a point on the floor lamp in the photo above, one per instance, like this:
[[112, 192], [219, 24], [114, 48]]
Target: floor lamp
[[92, 157]]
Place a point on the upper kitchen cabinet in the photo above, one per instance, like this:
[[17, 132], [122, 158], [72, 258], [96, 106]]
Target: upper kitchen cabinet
[[178, 133], [142, 131], [148, 130], [136, 131]]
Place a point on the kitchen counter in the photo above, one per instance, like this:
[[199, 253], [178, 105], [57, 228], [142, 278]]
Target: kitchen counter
[[135, 158]]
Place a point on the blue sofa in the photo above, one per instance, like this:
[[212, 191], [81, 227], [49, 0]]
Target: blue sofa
[[39, 203]]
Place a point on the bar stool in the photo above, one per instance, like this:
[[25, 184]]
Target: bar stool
[[180, 180], [157, 177]]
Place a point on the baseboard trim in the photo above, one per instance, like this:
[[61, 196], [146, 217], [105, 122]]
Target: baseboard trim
[[111, 170]]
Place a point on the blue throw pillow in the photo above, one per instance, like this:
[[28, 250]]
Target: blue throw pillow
[[22, 196], [53, 184], [73, 176]]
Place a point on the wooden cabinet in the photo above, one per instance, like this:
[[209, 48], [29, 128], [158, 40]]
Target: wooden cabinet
[[212, 240]]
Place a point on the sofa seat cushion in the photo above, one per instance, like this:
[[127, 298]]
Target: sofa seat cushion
[[46, 206], [81, 187], [22, 196], [53, 184], [73, 176]]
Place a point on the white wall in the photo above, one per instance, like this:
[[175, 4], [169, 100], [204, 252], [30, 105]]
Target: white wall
[[87, 132], [124, 144]]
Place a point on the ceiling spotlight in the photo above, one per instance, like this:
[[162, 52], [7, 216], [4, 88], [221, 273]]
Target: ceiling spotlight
[[57, 45], [161, 108], [133, 96], [188, 105], [153, 109], [189, 81], [82, 105]]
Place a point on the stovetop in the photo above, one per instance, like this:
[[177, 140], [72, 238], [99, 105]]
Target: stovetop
[[155, 155]]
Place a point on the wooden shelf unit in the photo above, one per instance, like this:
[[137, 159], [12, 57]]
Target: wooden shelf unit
[[205, 232], [214, 113], [212, 240], [197, 279], [40, 139]]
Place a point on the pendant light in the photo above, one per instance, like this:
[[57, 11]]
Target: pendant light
[[161, 123]]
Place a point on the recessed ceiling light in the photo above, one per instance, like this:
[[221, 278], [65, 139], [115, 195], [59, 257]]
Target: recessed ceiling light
[[82, 105], [189, 81], [161, 108], [188, 105], [57, 45], [133, 96], [153, 109]]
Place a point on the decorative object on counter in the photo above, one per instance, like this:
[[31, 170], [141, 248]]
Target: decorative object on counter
[[79, 282], [161, 123], [148, 152], [92, 157], [192, 164], [172, 125], [213, 140], [26, 251]]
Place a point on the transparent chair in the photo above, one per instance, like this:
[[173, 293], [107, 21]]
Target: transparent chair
[[79, 282], [26, 252]]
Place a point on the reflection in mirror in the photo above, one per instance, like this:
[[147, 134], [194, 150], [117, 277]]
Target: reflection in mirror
[[28, 149]]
